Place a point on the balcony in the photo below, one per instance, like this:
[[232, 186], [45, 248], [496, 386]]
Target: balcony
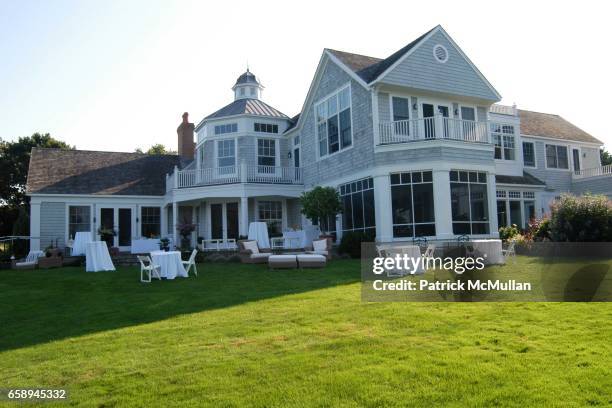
[[233, 175], [594, 172], [433, 128]]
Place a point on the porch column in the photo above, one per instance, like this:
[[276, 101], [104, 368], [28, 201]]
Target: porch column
[[35, 226], [243, 225], [382, 208], [442, 204], [194, 234], [175, 223], [285, 223], [492, 197], [163, 220]]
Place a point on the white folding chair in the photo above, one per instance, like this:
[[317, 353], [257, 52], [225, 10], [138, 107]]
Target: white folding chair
[[509, 252], [191, 262], [429, 252], [149, 268]]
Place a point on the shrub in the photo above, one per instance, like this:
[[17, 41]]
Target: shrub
[[351, 242], [539, 230], [507, 233], [581, 219]]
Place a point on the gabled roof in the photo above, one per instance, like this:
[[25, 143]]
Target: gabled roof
[[247, 106], [526, 180], [58, 171], [294, 121], [553, 126]]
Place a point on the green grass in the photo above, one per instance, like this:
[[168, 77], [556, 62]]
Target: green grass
[[242, 335]]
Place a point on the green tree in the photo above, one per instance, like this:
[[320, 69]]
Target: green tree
[[606, 157], [321, 205], [157, 149]]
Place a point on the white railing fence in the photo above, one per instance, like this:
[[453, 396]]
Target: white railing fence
[[436, 127], [594, 172], [236, 174]]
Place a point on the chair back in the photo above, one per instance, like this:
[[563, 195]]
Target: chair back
[[193, 255], [145, 260], [463, 238], [511, 246], [421, 242], [429, 252]]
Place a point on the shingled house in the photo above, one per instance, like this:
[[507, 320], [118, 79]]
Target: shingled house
[[415, 143]]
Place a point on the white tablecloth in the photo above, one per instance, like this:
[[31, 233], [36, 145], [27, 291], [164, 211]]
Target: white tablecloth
[[80, 242], [170, 262], [492, 248], [97, 257], [295, 239], [258, 231], [144, 246]]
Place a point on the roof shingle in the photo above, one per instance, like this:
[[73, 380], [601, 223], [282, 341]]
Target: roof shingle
[[526, 179], [249, 107], [553, 126]]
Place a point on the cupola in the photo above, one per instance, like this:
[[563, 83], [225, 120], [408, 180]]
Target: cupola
[[247, 86]]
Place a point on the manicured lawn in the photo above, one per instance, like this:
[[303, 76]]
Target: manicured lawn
[[242, 335]]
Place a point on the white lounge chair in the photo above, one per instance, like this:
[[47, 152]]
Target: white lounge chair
[[149, 268], [191, 262], [510, 252], [30, 261]]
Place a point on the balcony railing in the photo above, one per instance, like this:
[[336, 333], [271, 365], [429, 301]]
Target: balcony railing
[[436, 127], [235, 174], [594, 172]]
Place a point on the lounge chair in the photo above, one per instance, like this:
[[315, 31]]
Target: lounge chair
[[321, 247], [251, 253], [29, 262]]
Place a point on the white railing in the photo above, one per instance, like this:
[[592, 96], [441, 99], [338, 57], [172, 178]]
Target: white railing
[[594, 172], [235, 174], [436, 127], [218, 244]]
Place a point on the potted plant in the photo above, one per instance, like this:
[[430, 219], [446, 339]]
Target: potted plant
[[107, 235], [164, 244], [321, 205], [185, 231]]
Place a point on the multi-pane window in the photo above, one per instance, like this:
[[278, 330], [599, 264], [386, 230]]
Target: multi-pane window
[[226, 153], [150, 222], [266, 128], [271, 212], [358, 206], [556, 157], [79, 219], [503, 139], [266, 152], [529, 154], [227, 128], [333, 116], [401, 112], [469, 202], [412, 204]]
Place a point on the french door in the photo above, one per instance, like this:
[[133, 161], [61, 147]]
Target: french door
[[224, 220], [120, 221], [429, 111]]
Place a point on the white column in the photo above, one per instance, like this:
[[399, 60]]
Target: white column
[[194, 238], [35, 226], [243, 225], [163, 219], [175, 223], [375, 117], [383, 209], [442, 204], [285, 214], [491, 194]]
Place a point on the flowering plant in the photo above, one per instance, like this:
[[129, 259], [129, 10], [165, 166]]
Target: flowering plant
[[185, 229]]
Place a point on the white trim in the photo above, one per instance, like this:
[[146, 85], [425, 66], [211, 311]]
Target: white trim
[[556, 154], [435, 47]]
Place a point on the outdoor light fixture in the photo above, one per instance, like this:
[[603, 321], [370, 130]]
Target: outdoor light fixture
[[289, 155], [414, 106]]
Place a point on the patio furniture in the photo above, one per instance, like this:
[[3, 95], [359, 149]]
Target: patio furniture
[[421, 242], [251, 253], [510, 251], [144, 245], [392, 250], [149, 268], [490, 250], [171, 264], [295, 239], [53, 259], [258, 231], [311, 261], [218, 244], [81, 239], [321, 247], [97, 258], [282, 261], [191, 262], [29, 262], [429, 252]]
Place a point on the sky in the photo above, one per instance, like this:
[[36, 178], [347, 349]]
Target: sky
[[117, 75]]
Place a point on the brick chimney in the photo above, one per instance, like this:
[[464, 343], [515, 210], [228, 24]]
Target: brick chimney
[[186, 144]]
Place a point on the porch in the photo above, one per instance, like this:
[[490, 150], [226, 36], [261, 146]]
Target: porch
[[431, 128]]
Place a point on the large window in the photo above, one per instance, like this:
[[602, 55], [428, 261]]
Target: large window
[[529, 154], [556, 157], [227, 128], [358, 206], [79, 219], [266, 128], [401, 112], [150, 222], [503, 139], [271, 212], [333, 116], [469, 202], [412, 204], [226, 153], [266, 152], [509, 207]]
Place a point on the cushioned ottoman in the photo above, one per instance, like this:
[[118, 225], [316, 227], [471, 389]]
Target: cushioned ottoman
[[282, 261], [311, 261]]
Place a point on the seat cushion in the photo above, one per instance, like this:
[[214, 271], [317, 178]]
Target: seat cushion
[[26, 263], [251, 246], [319, 245], [259, 256]]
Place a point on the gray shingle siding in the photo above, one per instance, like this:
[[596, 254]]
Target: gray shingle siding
[[560, 180], [52, 224], [384, 107], [598, 185], [361, 155], [421, 70], [428, 154]]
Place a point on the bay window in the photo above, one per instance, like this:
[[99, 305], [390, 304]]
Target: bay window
[[412, 203], [469, 203], [358, 206], [333, 117], [556, 157]]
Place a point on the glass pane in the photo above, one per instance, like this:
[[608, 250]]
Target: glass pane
[[125, 227], [501, 213], [460, 202], [480, 228], [358, 210], [344, 99], [461, 228], [427, 177], [332, 134], [332, 106], [395, 178], [401, 110], [416, 177], [467, 113], [479, 203], [347, 213], [423, 200], [551, 156], [401, 204], [369, 208], [515, 213], [402, 231], [345, 128], [562, 157], [424, 230]]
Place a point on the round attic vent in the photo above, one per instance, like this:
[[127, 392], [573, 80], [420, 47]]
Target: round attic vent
[[440, 53]]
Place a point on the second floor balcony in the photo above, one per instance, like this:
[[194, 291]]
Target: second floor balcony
[[602, 171], [242, 173], [432, 128]]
